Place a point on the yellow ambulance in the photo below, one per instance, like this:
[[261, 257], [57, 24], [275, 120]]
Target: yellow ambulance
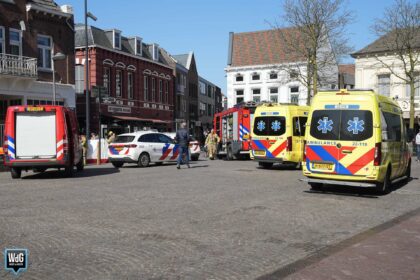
[[355, 138], [278, 133]]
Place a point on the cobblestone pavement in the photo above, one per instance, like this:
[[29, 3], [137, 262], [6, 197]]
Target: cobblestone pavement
[[217, 220]]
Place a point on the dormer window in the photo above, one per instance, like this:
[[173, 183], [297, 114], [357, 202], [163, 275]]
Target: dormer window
[[273, 76], [139, 48], [116, 39], [255, 77], [155, 51]]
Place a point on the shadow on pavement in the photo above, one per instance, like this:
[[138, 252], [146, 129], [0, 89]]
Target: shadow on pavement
[[359, 191], [57, 174]]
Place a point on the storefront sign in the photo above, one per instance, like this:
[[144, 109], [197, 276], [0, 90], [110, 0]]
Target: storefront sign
[[116, 109]]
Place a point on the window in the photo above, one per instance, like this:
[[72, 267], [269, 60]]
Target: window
[[149, 138], [160, 91], [153, 90], [293, 75], [15, 41], [2, 44], [239, 78], [106, 80], [273, 76], [391, 127], [155, 53], [139, 47], [146, 88], [210, 93], [118, 89], [203, 108], [384, 84], [274, 95], [209, 110], [44, 51], [294, 95], [130, 85], [416, 86], [273, 126], [79, 79], [117, 39], [345, 125], [124, 139], [166, 92], [255, 77], [202, 87], [299, 124], [256, 95], [239, 96]]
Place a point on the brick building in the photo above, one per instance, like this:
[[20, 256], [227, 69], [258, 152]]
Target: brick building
[[135, 79], [31, 32]]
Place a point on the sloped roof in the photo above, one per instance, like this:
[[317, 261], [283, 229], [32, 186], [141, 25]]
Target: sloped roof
[[346, 69], [103, 38], [262, 47], [49, 4], [182, 59], [386, 43]]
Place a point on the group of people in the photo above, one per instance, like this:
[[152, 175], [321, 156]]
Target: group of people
[[83, 141]]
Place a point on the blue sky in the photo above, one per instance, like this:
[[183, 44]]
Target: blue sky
[[203, 26]]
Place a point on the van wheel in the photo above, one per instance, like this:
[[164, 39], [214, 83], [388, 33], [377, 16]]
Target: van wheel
[[265, 165], [15, 172], [144, 160], [229, 154], [117, 164], [385, 187], [408, 172], [316, 186], [69, 171], [80, 166]]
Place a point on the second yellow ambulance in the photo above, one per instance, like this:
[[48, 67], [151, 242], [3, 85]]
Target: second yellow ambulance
[[277, 134]]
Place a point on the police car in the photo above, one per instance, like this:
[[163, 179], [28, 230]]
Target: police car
[[142, 148], [195, 149]]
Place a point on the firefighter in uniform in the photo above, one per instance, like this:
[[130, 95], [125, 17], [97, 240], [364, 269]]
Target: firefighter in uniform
[[211, 143], [111, 137], [84, 143]]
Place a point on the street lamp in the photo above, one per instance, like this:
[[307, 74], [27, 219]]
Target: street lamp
[[57, 56], [87, 15]]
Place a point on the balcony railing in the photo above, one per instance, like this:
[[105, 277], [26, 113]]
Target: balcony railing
[[20, 66]]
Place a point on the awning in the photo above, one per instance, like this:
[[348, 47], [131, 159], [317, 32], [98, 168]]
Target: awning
[[129, 118]]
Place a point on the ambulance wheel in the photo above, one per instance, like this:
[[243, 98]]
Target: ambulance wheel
[[316, 186], [144, 160], [408, 172], [80, 166], [15, 172], [117, 164], [69, 171], [265, 165], [385, 187]]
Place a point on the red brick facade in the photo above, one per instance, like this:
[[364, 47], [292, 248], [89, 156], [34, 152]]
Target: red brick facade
[[138, 112]]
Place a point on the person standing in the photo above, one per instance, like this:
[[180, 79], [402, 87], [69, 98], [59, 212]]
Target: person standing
[[211, 143], [84, 143], [182, 138], [418, 146], [111, 137]]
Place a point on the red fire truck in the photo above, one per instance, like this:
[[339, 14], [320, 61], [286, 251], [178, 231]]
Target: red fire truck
[[41, 137], [233, 127]]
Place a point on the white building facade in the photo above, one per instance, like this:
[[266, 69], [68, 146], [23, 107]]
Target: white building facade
[[370, 73], [263, 83]]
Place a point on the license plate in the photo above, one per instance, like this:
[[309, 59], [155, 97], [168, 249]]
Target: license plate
[[259, 153], [322, 166]]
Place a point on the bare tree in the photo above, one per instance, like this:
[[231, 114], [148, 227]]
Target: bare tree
[[399, 29], [316, 38]]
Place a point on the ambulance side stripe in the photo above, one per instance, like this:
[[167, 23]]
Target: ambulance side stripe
[[261, 146], [362, 161], [326, 156]]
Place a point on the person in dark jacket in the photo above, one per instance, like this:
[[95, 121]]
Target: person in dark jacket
[[182, 138]]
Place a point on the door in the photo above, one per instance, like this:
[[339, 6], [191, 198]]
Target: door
[[298, 136], [393, 142], [36, 135]]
